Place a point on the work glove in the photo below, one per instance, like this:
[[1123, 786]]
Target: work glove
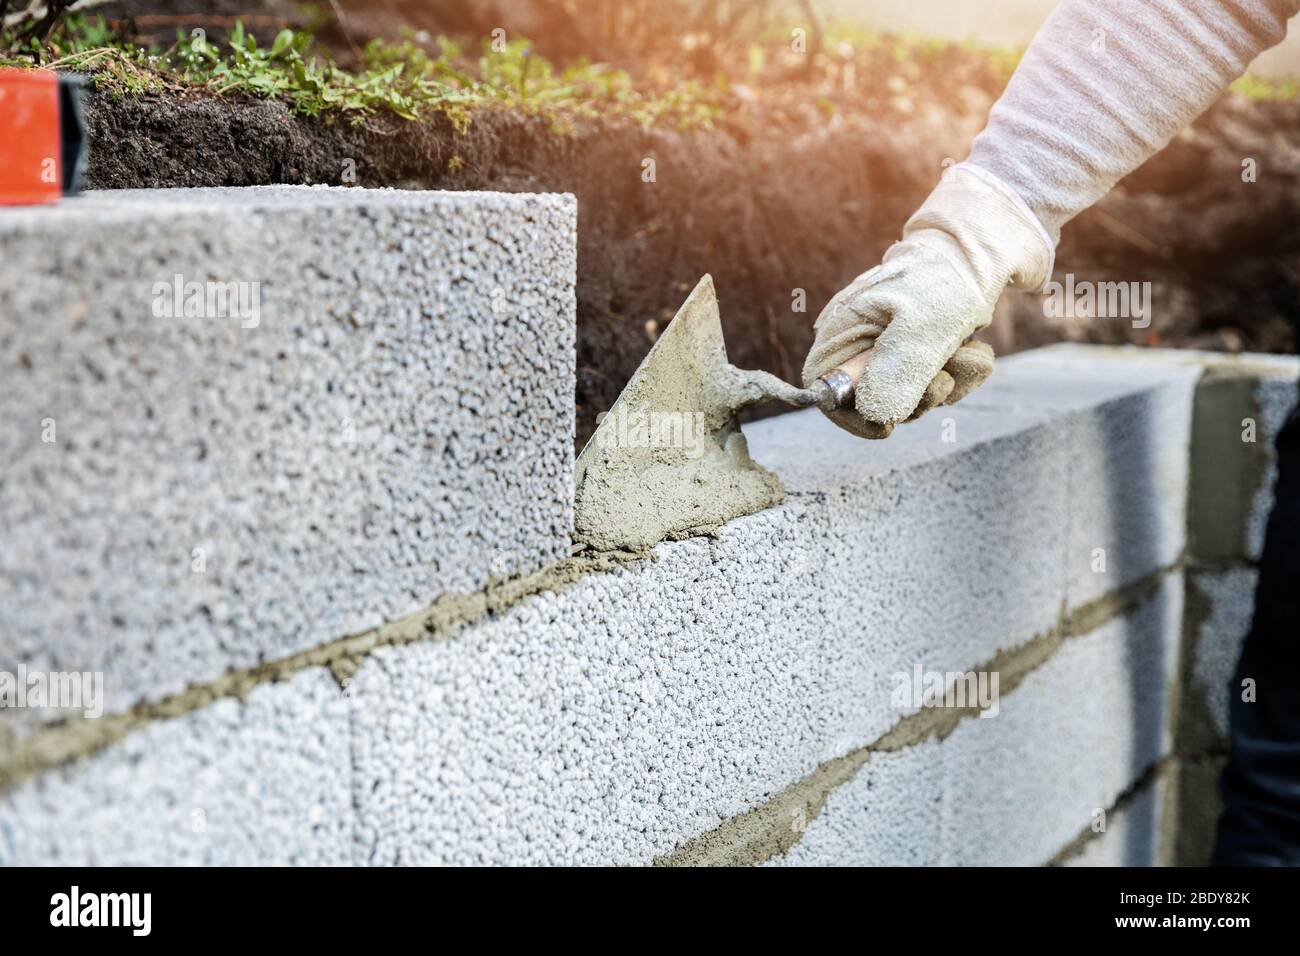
[[933, 290]]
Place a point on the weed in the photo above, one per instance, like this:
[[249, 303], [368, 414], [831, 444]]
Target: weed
[[398, 78]]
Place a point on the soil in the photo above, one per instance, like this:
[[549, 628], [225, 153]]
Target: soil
[[782, 204]]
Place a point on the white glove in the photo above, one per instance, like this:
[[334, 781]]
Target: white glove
[[932, 291]]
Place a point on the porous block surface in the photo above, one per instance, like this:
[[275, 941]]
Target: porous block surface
[[264, 781], [1127, 426], [1224, 602], [1275, 396], [1016, 788], [614, 720], [185, 494], [617, 718], [1133, 831]]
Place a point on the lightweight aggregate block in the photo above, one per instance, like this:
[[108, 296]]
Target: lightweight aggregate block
[[1241, 395], [1133, 832], [1239, 412], [891, 813], [1129, 433], [1231, 496], [1017, 788], [261, 782], [612, 721], [1275, 397], [186, 495], [1222, 603]]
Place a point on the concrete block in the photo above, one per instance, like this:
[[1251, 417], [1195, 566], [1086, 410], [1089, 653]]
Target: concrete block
[[890, 814], [1016, 788], [1231, 481], [187, 494], [613, 721], [1134, 830], [1127, 423], [1238, 417], [1221, 604], [616, 719], [264, 781], [1275, 397], [1233, 496]]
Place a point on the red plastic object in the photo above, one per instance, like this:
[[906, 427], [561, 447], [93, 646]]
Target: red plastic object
[[40, 137]]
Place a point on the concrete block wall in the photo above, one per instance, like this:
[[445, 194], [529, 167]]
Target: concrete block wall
[[733, 699], [184, 495], [1065, 746], [1241, 405], [238, 783]]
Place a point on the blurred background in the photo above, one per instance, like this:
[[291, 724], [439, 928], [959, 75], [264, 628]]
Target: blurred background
[[777, 145], [1013, 24]]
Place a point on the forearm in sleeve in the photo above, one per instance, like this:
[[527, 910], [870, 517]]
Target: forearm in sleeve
[[1107, 83]]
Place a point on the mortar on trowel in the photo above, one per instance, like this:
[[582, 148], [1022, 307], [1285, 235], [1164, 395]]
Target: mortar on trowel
[[669, 459]]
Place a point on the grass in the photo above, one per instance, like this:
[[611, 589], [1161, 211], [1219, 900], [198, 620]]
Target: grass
[[905, 47], [1261, 89], [397, 78], [406, 80]]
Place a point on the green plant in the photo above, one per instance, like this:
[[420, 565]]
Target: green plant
[[1267, 90], [399, 78]]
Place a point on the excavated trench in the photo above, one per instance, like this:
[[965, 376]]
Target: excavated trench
[[781, 208]]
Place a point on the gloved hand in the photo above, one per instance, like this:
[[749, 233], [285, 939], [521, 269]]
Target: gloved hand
[[934, 289]]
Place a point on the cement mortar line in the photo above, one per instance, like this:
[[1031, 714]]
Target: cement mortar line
[[63, 743], [764, 832], [1155, 770], [1196, 566], [1170, 763]]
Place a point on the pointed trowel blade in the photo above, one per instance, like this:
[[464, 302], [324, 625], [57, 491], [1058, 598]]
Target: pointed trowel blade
[[669, 459]]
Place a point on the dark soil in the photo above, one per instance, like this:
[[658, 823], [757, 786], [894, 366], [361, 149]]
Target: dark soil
[[772, 204]]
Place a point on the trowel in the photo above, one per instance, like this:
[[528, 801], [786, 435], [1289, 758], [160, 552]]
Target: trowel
[[669, 460]]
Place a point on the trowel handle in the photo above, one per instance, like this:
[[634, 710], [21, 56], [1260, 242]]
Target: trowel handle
[[841, 382]]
